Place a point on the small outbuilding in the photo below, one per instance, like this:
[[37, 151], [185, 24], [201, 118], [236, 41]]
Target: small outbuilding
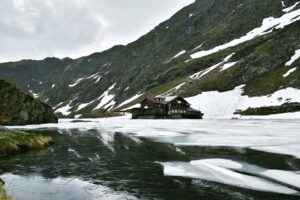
[[171, 107]]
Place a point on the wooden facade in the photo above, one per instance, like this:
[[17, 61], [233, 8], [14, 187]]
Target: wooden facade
[[165, 108]]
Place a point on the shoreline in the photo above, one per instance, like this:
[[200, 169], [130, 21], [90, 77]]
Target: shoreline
[[13, 142]]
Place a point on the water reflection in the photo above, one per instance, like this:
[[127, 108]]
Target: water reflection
[[128, 166]]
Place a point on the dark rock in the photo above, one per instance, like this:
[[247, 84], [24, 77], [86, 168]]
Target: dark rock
[[19, 108]]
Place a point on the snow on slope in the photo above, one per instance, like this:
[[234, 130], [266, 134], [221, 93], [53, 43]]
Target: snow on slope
[[268, 25], [107, 99], [130, 100], [295, 57], [289, 72], [223, 104], [76, 82], [179, 54], [290, 8], [64, 110], [224, 65]]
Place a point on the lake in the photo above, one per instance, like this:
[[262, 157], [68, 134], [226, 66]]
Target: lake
[[119, 158]]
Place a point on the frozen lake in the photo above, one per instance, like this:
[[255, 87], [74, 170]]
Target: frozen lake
[[119, 158]]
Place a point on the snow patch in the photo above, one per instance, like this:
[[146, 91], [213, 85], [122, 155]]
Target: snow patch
[[290, 72], [130, 100], [34, 94], [179, 54], [106, 99], [216, 104], [208, 70], [227, 66], [290, 8], [295, 57], [268, 25], [76, 82], [65, 110]]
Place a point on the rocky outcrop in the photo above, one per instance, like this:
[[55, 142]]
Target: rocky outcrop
[[19, 108]]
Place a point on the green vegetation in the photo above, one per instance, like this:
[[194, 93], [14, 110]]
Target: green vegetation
[[14, 142], [284, 108], [3, 194]]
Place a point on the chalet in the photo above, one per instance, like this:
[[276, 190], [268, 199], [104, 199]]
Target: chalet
[[172, 107]]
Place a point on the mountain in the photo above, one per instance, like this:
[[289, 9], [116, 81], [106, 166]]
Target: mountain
[[225, 55], [19, 108]]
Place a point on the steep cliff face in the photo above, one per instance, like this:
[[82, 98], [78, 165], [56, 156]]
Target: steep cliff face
[[210, 45], [19, 108]]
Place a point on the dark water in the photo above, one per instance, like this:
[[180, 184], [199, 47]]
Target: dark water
[[131, 166]]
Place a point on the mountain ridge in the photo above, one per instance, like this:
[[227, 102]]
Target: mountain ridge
[[166, 58]]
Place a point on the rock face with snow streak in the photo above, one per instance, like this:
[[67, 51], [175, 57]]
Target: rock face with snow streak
[[19, 108], [207, 46]]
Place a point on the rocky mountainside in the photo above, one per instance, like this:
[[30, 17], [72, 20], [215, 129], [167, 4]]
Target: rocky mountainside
[[19, 108], [220, 52]]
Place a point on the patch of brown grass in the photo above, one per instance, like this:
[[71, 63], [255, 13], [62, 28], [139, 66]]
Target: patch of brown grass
[[4, 195]]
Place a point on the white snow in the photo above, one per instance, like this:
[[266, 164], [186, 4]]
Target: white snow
[[290, 8], [283, 4], [130, 100], [179, 54], [57, 188], [204, 72], [77, 116], [76, 82], [58, 105], [216, 104], [106, 99], [223, 105], [98, 79], [290, 72], [268, 25], [65, 110], [171, 91], [82, 106], [288, 177], [167, 27], [227, 66], [53, 85], [295, 57], [288, 149], [198, 47], [204, 170], [191, 15], [34, 94], [221, 170], [276, 136]]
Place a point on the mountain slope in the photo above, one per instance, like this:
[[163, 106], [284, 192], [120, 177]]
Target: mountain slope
[[18, 108], [207, 46]]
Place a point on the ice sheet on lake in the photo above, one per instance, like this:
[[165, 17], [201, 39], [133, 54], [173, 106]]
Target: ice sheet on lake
[[209, 171], [37, 187], [275, 136]]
